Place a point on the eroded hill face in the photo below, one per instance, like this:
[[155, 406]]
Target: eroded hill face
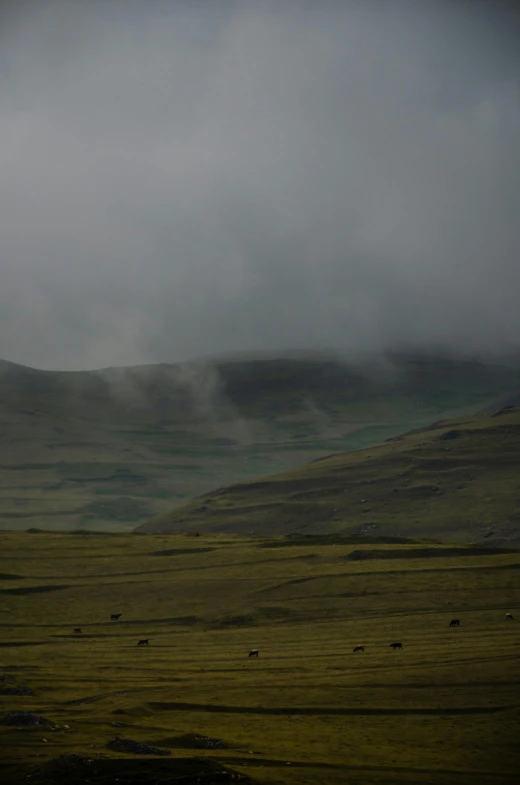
[[111, 449], [455, 480]]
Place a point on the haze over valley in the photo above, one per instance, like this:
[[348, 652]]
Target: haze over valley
[[245, 182], [109, 450], [259, 392]]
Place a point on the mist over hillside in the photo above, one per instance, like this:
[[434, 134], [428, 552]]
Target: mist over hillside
[[454, 480], [321, 200], [113, 448]]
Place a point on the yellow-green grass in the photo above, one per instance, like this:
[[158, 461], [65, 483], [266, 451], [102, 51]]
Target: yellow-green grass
[[422, 484], [444, 709]]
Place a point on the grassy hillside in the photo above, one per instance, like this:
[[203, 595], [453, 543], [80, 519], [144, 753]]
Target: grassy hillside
[[455, 480], [111, 449], [444, 709]]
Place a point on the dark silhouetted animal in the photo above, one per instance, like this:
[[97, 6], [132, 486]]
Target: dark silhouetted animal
[[143, 642], [358, 648], [509, 615], [78, 629], [455, 623], [395, 646], [115, 616], [253, 653]]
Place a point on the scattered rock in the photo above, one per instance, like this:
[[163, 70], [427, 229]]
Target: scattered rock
[[73, 757], [8, 686], [121, 744], [15, 690], [74, 769], [24, 718], [195, 741]]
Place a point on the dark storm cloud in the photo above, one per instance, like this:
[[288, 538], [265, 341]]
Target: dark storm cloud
[[182, 179]]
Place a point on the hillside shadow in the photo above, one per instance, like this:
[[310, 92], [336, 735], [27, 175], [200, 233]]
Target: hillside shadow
[[72, 769], [424, 553], [181, 551], [326, 711], [34, 589]]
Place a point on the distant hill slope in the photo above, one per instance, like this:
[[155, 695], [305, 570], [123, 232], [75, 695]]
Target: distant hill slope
[[456, 480], [111, 449]]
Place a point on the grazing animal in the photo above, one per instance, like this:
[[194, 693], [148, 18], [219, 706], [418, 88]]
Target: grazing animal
[[395, 646], [143, 642], [455, 623], [78, 629], [253, 653], [358, 648], [115, 616], [509, 616]]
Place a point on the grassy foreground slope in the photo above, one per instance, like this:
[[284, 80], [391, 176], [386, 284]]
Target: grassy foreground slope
[[444, 709], [455, 480], [110, 449]]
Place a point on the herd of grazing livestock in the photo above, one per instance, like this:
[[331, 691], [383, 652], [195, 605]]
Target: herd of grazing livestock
[[255, 652], [394, 646]]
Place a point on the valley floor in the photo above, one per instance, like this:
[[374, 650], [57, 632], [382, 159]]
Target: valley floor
[[443, 709]]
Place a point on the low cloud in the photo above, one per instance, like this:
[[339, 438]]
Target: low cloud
[[179, 180]]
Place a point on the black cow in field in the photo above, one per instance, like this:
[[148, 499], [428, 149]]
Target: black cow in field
[[395, 646], [115, 616], [143, 642], [509, 616], [358, 648], [78, 629], [253, 653], [455, 623]]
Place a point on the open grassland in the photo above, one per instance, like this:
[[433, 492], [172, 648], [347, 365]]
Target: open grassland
[[444, 709], [454, 480], [108, 450]]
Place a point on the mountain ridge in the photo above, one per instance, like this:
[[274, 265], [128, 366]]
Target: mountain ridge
[[111, 449]]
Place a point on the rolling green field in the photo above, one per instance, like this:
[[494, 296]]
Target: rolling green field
[[109, 450], [444, 709]]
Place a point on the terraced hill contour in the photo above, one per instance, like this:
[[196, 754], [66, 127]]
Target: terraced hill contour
[[309, 709]]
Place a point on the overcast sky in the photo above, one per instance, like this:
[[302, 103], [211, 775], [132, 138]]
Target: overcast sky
[[179, 179]]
